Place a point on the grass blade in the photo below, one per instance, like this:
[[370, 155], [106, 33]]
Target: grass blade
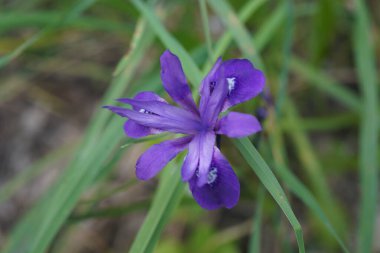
[[267, 178], [246, 11], [313, 168], [369, 128], [74, 12], [191, 69], [13, 20], [9, 188], [206, 29], [254, 242], [287, 48], [238, 31], [301, 191], [297, 187], [268, 28], [326, 84], [50, 213], [167, 198]]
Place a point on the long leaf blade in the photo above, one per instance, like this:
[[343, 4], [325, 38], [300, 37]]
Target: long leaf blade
[[167, 198], [268, 179], [189, 66], [369, 128]]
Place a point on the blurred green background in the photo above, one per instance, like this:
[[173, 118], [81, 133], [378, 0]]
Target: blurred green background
[[67, 180]]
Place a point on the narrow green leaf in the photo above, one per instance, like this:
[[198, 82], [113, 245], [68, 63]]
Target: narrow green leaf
[[326, 84], [369, 128], [267, 178], [110, 212], [167, 198], [11, 187], [238, 31], [74, 12], [245, 12], [4, 60], [51, 211], [270, 26], [324, 28], [190, 68], [297, 187], [206, 27], [313, 168], [255, 240], [329, 123], [20, 19], [287, 50], [301, 191]]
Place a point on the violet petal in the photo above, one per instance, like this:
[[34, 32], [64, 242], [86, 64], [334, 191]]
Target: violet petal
[[207, 85], [214, 103], [174, 81], [133, 129], [222, 188], [207, 143], [162, 109], [238, 125], [157, 156], [244, 81], [191, 161], [155, 121]]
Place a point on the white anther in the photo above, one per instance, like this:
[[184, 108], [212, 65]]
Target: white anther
[[231, 83], [212, 175]]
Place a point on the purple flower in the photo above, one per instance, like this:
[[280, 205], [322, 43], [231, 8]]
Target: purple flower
[[212, 181]]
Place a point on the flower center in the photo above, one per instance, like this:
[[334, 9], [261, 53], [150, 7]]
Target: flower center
[[231, 84], [212, 175]]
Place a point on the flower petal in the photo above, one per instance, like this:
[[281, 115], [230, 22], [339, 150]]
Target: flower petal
[[133, 129], [174, 81], [149, 95], [191, 161], [238, 125], [214, 104], [206, 149], [151, 114], [162, 109], [208, 84], [222, 188], [157, 156], [244, 81], [156, 121]]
